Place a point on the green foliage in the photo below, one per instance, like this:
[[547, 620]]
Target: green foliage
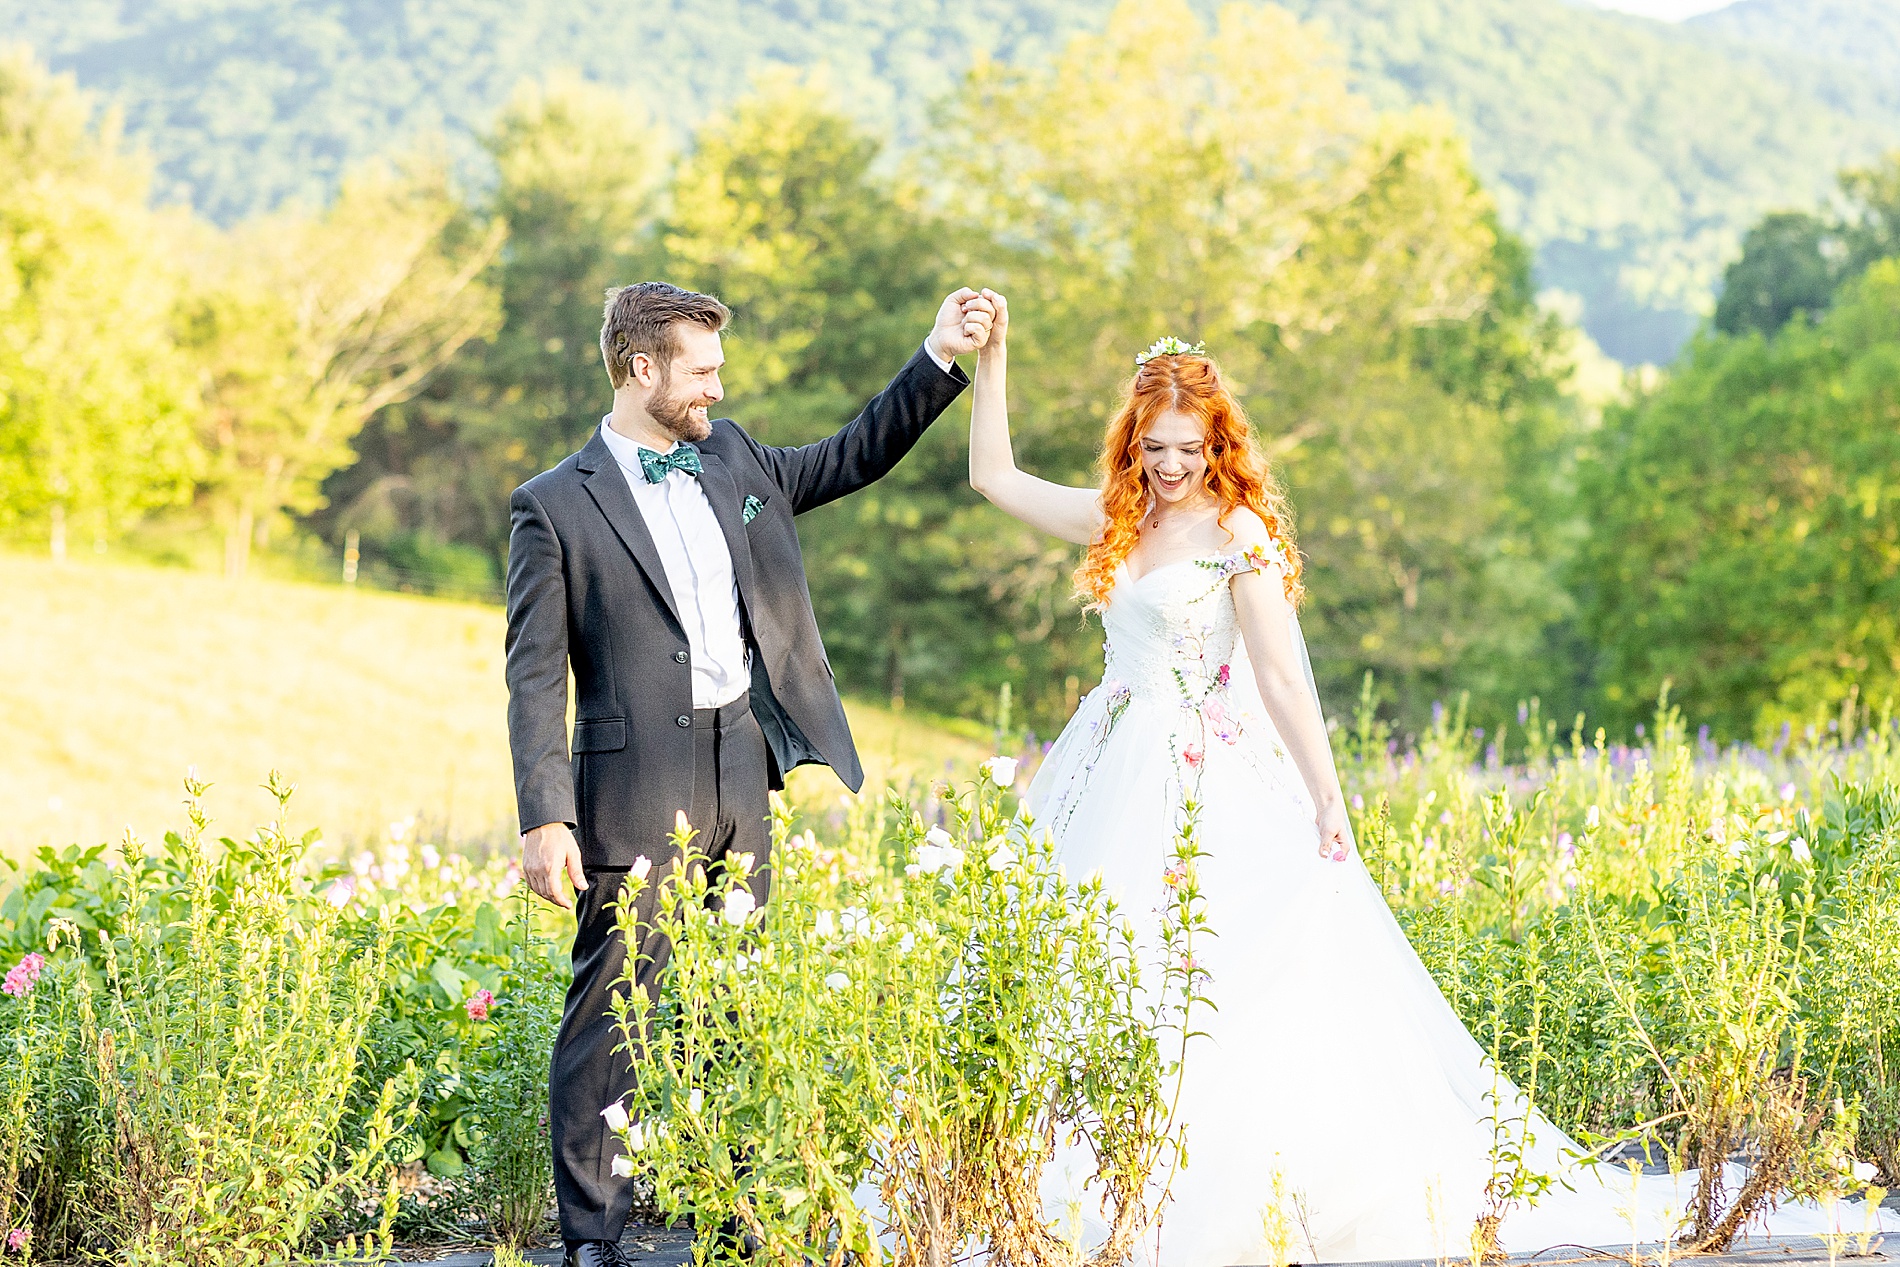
[[1795, 262], [931, 1036], [1784, 270], [1351, 278], [1632, 154], [94, 421], [205, 1019], [1670, 943], [513, 1188], [1746, 548]]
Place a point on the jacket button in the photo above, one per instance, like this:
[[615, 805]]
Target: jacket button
[[682, 721], [680, 657]]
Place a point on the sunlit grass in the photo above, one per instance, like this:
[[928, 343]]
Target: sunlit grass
[[378, 706]]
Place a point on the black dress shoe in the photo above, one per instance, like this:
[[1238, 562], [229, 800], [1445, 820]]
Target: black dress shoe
[[594, 1254]]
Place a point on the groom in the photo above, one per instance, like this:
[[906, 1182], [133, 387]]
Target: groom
[[660, 563]]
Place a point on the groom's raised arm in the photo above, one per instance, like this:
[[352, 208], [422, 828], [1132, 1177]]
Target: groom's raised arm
[[867, 447]]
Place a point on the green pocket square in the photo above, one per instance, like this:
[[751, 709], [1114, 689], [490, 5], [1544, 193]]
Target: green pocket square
[[752, 508]]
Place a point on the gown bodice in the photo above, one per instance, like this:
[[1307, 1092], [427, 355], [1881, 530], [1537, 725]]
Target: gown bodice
[[1172, 633]]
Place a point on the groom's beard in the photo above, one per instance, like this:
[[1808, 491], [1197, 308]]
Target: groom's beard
[[682, 417]]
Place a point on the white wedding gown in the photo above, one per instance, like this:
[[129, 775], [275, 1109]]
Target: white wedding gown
[[1332, 1055]]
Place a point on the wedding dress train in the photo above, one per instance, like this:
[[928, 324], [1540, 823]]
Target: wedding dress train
[[1332, 1056]]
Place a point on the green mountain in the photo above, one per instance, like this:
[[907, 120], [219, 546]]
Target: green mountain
[[1842, 32], [1633, 154]]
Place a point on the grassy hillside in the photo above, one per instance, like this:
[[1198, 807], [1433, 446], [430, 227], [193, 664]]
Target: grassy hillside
[[379, 706], [1632, 153]]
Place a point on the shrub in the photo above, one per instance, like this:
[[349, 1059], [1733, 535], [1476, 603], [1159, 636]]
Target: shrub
[[931, 1036]]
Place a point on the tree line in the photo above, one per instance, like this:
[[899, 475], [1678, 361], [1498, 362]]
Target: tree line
[[385, 369]]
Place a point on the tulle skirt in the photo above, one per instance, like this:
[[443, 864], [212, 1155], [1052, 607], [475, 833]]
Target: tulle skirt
[[1332, 1057]]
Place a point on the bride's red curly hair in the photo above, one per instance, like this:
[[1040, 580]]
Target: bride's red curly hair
[[1237, 473]]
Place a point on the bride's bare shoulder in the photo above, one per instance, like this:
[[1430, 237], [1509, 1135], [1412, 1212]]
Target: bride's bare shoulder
[[1242, 527]]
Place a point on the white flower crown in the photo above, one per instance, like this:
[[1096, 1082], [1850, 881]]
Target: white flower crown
[[1169, 346]]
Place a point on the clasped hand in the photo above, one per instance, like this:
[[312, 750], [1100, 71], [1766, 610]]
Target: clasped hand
[[963, 324]]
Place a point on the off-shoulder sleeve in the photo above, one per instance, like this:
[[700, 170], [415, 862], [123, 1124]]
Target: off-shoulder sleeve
[[1257, 556]]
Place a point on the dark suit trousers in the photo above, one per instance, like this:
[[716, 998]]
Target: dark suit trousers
[[728, 808]]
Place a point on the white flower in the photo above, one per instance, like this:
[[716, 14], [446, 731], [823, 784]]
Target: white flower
[[1002, 858], [642, 867], [825, 925], [741, 863], [907, 941], [1800, 850], [431, 857], [1592, 817], [929, 858], [1776, 837], [1002, 770], [695, 1100], [838, 981], [1865, 1171], [939, 837], [952, 859], [739, 906], [636, 1140], [623, 1166], [857, 922], [616, 1115]]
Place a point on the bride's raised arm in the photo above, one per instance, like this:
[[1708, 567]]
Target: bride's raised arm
[[1266, 624], [1073, 514]]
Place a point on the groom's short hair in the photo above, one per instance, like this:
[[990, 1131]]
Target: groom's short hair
[[641, 317]]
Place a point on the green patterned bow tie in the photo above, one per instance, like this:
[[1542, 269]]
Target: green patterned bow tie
[[684, 458]]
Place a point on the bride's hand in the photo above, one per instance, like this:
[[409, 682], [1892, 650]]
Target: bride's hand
[[1335, 832], [999, 323]]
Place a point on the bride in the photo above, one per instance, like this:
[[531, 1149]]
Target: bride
[[1332, 1063]]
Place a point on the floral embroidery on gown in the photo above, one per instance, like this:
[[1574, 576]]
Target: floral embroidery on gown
[[1331, 1054]]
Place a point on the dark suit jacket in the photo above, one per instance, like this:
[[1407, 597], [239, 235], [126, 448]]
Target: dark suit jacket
[[586, 587]]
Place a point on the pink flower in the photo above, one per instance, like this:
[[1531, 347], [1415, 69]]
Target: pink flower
[[1224, 674], [19, 1238], [478, 1005], [1193, 755], [1175, 876], [340, 893], [1218, 721], [21, 978], [1189, 964]]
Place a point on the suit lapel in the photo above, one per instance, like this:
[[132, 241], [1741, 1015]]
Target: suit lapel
[[723, 496], [608, 487]]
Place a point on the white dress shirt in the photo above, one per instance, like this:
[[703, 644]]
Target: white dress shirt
[[698, 570]]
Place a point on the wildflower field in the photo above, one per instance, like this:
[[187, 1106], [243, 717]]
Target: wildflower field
[[242, 1049]]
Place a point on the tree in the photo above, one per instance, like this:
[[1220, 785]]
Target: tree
[[1747, 548], [94, 397], [833, 270], [1785, 269], [579, 168], [1350, 275], [307, 326], [1795, 262]]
